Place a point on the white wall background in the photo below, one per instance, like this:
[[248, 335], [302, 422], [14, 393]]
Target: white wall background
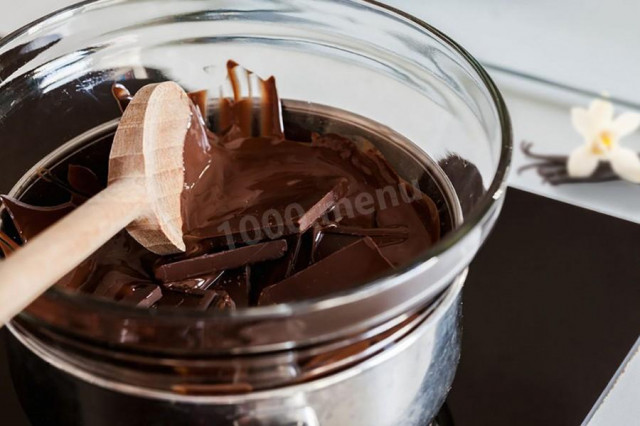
[[592, 44]]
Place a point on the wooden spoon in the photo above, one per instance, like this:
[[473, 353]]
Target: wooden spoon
[[146, 176]]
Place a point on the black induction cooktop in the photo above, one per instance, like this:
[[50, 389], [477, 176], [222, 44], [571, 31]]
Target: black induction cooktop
[[550, 312]]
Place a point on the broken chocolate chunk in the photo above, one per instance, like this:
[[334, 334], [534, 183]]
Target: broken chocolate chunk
[[143, 295], [191, 299], [342, 270], [325, 204], [327, 244], [197, 283], [230, 259]]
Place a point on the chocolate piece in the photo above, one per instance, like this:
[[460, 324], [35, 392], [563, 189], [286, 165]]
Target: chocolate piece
[[198, 283], [191, 299], [298, 256], [142, 295], [304, 251], [327, 244], [325, 204], [344, 269], [230, 259], [266, 273]]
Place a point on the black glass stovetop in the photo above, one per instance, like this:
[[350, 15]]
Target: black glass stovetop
[[551, 308]]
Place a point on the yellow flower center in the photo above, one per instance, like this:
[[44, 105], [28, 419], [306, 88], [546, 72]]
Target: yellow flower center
[[605, 140]]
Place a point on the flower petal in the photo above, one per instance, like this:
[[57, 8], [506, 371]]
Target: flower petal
[[600, 114], [626, 123], [582, 162], [626, 164], [582, 123]]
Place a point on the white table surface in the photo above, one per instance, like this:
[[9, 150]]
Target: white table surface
[[589, 44]]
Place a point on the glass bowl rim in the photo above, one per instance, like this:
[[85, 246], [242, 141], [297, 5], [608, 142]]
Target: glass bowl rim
[[489, 201]]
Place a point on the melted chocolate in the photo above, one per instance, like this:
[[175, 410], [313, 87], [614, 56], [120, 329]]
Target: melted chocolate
[[265, 219]]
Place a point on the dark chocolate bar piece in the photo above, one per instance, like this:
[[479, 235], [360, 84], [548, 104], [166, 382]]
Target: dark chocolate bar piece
[[324, 205], [298, 256], [327, 244], [197, 283], [344, 269], [230, 259], [143, 295], [193, 299], [333, 238]]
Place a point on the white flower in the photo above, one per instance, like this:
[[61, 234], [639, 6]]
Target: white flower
[[601, 133]]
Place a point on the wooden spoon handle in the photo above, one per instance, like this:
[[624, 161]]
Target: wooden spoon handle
[[32, 269]]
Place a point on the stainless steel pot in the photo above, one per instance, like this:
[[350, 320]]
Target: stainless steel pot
[[95, 363], [403, 385]]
